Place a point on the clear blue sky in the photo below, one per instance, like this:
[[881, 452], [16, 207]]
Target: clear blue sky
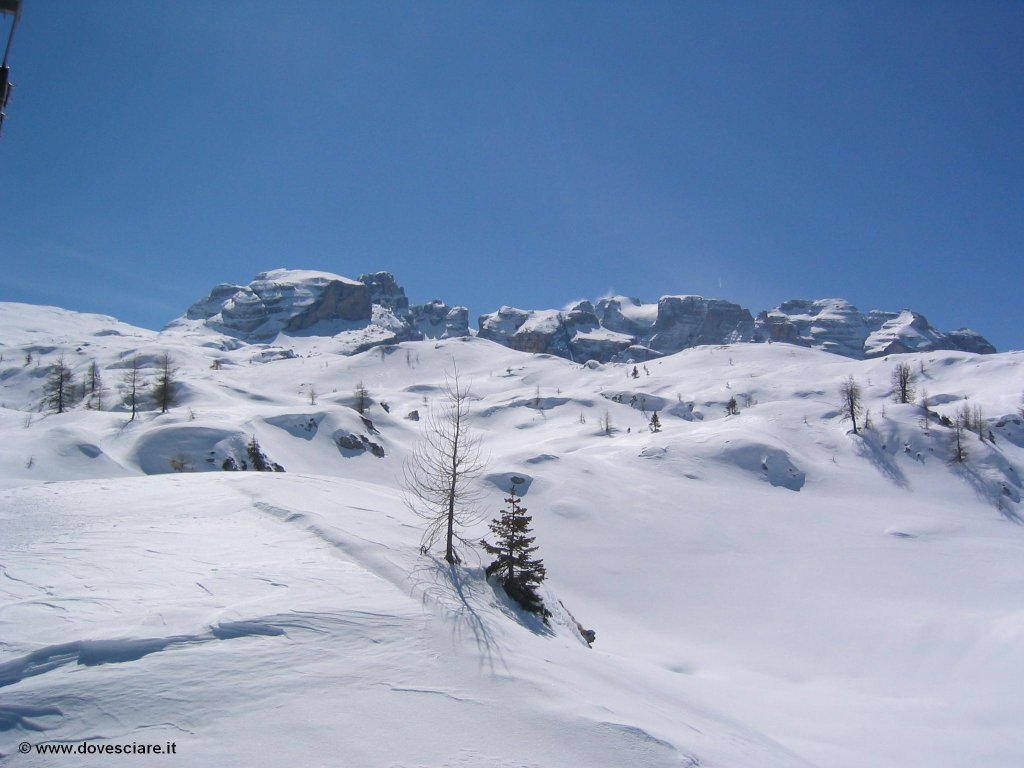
[[527, 153]]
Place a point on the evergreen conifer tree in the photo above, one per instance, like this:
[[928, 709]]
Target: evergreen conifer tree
[[655, 423], [259, 460], [514, 565]]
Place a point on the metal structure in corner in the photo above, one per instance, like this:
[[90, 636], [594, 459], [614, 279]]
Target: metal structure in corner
[[12, 8]]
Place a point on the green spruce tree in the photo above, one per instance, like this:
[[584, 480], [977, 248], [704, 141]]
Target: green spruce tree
[[655, 423], [515, 566]]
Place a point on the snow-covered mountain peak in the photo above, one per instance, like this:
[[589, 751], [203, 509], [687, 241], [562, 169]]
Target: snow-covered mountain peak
[[291, 303], [298, 276], [282, 305]]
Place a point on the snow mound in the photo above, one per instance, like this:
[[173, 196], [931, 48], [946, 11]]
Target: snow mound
[[771, 463]]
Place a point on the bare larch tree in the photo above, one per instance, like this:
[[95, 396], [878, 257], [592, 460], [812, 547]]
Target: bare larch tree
[[94, 388], [439, 476], [164, 389], [133, 385], [59, 390], [852, 405], [903, 383]]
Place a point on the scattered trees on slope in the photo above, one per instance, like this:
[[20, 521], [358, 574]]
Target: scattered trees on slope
[[439, 476]]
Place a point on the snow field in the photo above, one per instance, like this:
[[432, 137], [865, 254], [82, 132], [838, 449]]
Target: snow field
[[767, 588]]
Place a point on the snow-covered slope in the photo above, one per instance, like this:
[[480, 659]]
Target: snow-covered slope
[[768, 589]]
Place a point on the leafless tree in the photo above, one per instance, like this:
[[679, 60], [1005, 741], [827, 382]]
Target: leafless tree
[[133, 385], [852, 404], [362, 397], [978, 422], [165, 389], [960, 424], [60, 386], [903, 383], [94, 388], [439, 476]]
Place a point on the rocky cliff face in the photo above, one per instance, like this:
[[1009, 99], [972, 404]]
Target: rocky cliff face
[[374, 310], [281, 300], [832, 325], [907, 331], [309, 303], [690, 321], [622, 328]]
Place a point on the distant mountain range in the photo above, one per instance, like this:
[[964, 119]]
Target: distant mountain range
[[374, 310]]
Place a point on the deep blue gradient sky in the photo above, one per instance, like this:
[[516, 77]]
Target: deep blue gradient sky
[[526, 153]]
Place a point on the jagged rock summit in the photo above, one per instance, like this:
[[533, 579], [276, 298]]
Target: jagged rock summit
[[366, 312], [623, 328], [282, 305]]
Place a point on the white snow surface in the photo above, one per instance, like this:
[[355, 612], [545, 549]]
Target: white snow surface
[[767, 589], [635, 310]]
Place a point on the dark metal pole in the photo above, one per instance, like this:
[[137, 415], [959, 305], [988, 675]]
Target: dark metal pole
[[13, 26]]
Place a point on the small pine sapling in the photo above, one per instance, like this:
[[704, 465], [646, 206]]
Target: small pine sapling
[[260, 462], [655, 423], [518, 571]]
